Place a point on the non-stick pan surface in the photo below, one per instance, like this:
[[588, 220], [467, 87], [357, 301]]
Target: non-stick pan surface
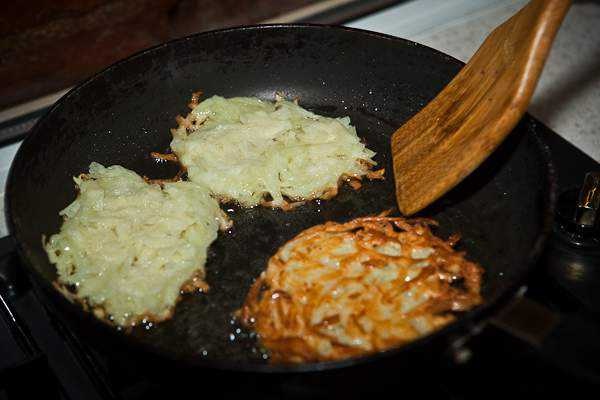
[[125, 112]]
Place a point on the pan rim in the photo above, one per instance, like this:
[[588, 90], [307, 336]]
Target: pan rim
[[464, 325]]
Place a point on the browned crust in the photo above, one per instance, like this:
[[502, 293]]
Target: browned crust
[[195, 100], [376, 175], [285, 205], [182, 122], [354, 183], [195, 284], [289, 204], [279, 317], [161, 182], [172, 157]]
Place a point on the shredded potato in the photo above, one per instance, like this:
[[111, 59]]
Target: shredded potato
[[252, 151], [128, 247], [344, 290]]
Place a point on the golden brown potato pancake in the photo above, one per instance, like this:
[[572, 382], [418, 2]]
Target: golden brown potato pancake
[[342, 290]]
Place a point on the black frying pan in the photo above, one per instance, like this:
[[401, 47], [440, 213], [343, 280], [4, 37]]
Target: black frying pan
[[122, 114]]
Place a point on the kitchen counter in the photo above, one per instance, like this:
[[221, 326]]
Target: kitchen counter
[[567, 98]]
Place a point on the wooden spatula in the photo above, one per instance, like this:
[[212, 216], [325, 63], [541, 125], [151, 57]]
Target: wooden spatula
[[464, 124]]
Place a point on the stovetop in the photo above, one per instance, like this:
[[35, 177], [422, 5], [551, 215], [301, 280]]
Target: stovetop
[[38, 351], [40, 354]]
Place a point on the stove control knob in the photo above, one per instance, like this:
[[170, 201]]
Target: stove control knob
[[572, 256], [588, 203], [578, 213]]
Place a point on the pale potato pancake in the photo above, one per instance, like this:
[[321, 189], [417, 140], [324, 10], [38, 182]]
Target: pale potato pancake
[[274, 153], [128, 247], [343, 290]]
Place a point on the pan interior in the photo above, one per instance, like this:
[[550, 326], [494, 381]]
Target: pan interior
[[124, 113]]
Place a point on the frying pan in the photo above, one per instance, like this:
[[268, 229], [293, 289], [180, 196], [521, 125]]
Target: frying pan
[[503, 211]]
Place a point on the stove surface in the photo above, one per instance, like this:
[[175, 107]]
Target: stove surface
[[35, 343], [40, 354]]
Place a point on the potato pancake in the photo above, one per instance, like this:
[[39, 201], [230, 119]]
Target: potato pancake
[[343, 290], [127, 247], [273, 153]]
